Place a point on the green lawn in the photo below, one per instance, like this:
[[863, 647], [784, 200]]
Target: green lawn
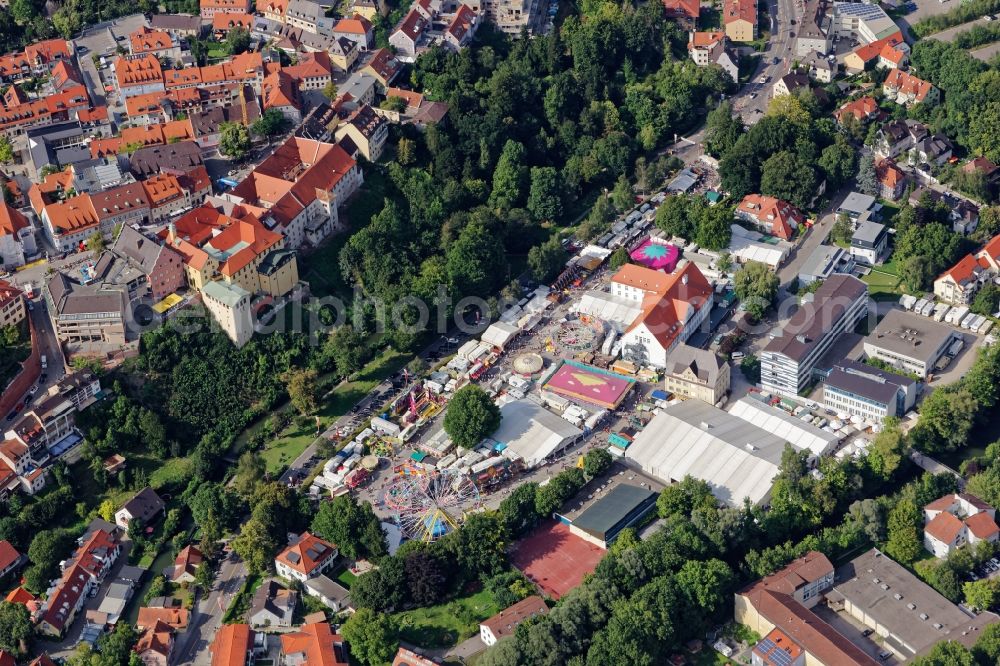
[[294, 440], [346, 578], [447, 624], [883, 285]]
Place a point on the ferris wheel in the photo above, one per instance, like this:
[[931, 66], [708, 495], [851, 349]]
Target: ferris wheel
[[428, 504]]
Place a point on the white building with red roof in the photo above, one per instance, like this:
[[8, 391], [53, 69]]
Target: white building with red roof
[[770, 215], [959, 284], [409, 33], [17, 237], [953, 521], [670, 307], [10, 558], [461, 28], [904, 88], [307, 558], [298, 189]]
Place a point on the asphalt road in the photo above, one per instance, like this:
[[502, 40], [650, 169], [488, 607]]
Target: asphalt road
[[753, 98]]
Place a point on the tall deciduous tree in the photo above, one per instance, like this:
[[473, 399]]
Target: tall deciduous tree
[[471, 416], [545, 194], [234, 140], [756, 286], [353, 526], [302, 385], [371, 637], [509, 177]]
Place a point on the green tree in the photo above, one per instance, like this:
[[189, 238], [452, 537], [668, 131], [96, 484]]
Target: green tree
[[946, 653], [96, 243], [234, 140], [986, 300], [987, 647], [330, 91], [475, 262], [546, 261], [982, 594], [517, 510], [509, 177], [406, 151], [842, 230], [672, 217], [916, 273], [788, 176], [756, 286], [618, 258], [352, 526], [346, 347], [107, 510], [237, 41], [622, 195], [838, 161], [946, 419], [6, 150], [256, 545], [471, 416], [545, 194], [715, 228], [393, 103], [271, 123], [371, 637], [302, 385], [596, 462], [723, 129], [480, 545], [15, 628], [904, 527], [250, 472], [47, 549]]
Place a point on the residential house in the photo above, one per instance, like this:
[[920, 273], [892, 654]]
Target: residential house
[[43, 426], [863, 109], [357, 29], [505, 622], [182, 156], [36, 59], [406, 657], [859, 207], [12, 308], [343, 53], [819, 67], [159, 43], [309, 16], [697, 373], [177, 25], [899, 136], [408, 34], [82, 574], [223, 23], [138, 75], [705, 47], [959, 284], [312, 72], [358, 90], [176, 618], [870, 243], [740, 20], [233, 645], [790, 83], [955, 520], [81, 388], [273, 605], [904, 88], [333, 595], [210, 8], [981, 165], [313, 644], [168, 197], [273, 10], [145, 506], [17, 237], [185, 565], [155, 646], [891, 180], [964, 214], [370, 9], [281, 93], [668, 309], [367, 132], [10, 559], [68, 224], [684, 12], [886, 52], [308, 557], [383, 67], [788, 359], [462, 27], [774, 216]]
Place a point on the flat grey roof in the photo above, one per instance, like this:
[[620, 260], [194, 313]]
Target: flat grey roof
[[871, 583], [810, 322], [819, 259], [856, 202], [868, 232], [910, 335], [866, 381], [601, 516]]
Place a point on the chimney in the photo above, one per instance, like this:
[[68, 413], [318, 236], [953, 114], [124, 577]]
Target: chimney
[[171, 231]]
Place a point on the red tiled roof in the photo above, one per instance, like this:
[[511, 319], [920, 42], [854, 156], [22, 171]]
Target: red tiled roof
[[413, 25], [461, 24], [307, 554], [944, 527], [965, 270], [871, 51], [861, 108], [505, 622], [317, 644], [357, 25], [158, 639], [146, 40], [690, 9], [226, 22], [8, 554], [137, 70], [908, 84], [231, 644], [705, 39], [19, 595], [780, 215], [981, 525], [979, 164], [739, 10], [175, 618], [889, 174], [11, 220]]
